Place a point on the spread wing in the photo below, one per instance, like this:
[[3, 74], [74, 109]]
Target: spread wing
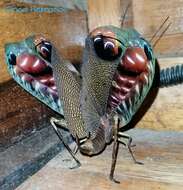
[[33, 73], [56, 83]]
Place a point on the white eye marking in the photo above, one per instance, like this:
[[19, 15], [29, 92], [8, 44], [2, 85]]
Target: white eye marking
[[47, 43], [36, 63], [125, 89], [130, 60], [137, 89], [108, 43], [24, 62], [131, 81], [139, 57], [43, 80], [146, 78], [97, 38], [44, 48], [23, 77], [37, 85]]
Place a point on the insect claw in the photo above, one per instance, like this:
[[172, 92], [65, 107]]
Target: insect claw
[[75, 167], [82, 141], [114, 180]]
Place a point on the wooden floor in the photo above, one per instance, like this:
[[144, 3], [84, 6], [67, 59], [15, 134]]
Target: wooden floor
[[161, 153]]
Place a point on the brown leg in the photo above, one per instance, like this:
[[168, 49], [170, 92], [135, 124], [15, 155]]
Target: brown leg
[[128, 144], [52, 121], [115, 150], [62, 124]]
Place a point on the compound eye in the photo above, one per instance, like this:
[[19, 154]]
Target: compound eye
[[44, 49], [107, 48]]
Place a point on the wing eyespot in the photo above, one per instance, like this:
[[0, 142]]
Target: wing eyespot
[[107, 48], [44, 50]]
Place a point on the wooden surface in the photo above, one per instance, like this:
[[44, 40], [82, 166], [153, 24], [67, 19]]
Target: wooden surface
[[20, 114], [148, 15], [161, 153], [103, 12], [109, 12], [145, 16], [68, 30], [166, 111]]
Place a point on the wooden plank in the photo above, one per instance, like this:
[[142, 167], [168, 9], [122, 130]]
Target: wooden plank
[[20, 114], [166, 112], [170, 61], [58, 27], [148, 15], [26, 157], [101, 12], [161, 153]]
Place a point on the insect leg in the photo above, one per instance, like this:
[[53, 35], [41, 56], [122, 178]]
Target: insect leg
[[128, 145], [52, 121], [79, 142], [62, 123], [115, 150]]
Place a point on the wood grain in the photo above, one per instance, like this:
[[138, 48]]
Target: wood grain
[[20, 114], [161, 154], [68, 30], [101, 12], [148, 15], [166, 111]]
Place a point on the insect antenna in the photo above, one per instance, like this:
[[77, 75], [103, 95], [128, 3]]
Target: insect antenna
[[160, 27], [125, 13], [156, 42]]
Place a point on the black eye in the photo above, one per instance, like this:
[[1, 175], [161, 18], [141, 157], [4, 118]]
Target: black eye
[[147, 49], [148, 53], [107, 48], [12, 59], [44, 49]]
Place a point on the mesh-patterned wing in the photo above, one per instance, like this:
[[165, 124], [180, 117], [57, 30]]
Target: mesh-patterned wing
[[69, 91], [97, 75]]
